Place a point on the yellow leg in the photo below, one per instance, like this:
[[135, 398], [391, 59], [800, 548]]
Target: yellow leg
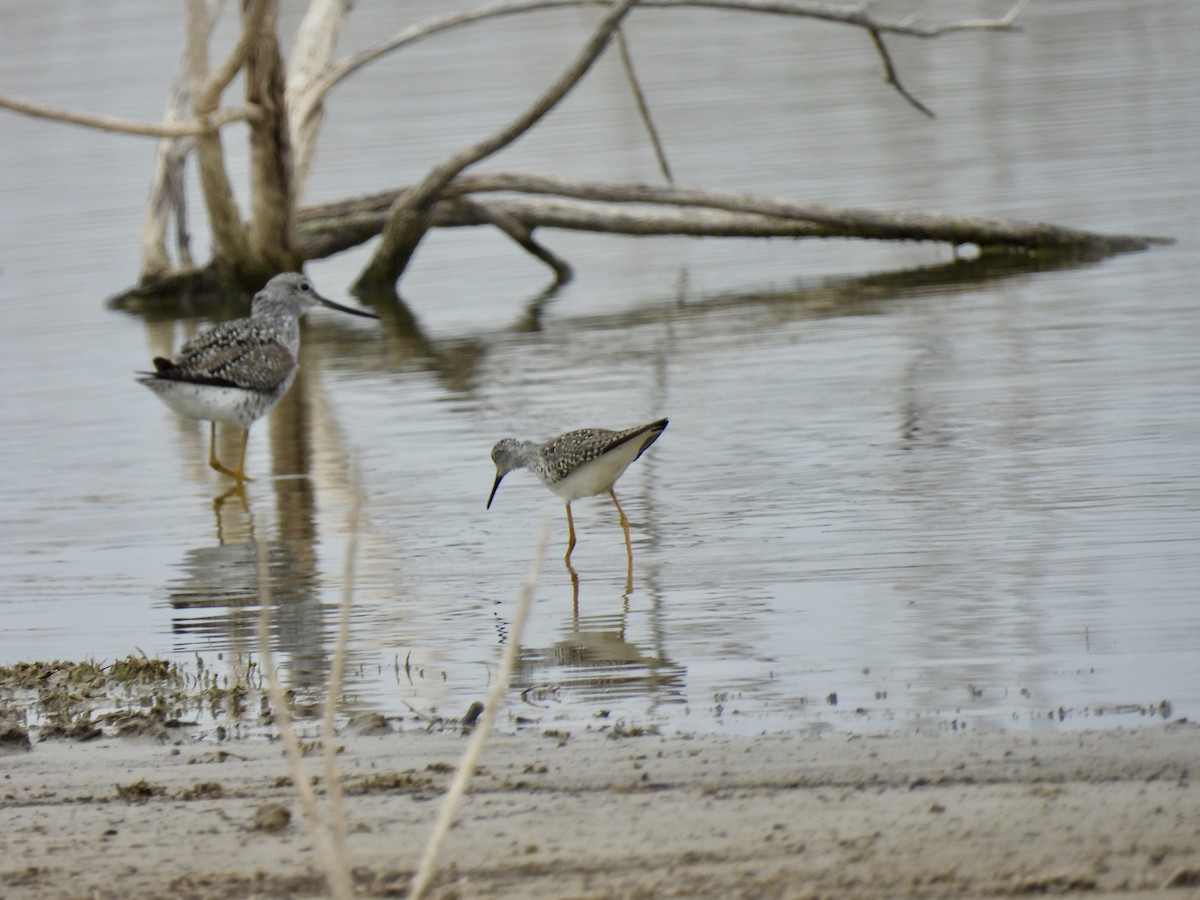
[[212, 452], [628, 543], [241, 469], [239, 476], [571, 535]]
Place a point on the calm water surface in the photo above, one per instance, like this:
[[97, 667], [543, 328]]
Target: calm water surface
[[897, 490]]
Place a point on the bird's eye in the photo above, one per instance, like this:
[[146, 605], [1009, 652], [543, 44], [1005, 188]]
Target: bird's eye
[[305, 286]]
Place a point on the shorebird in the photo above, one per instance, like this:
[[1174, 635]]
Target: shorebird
[[235, 372], [578, 464]]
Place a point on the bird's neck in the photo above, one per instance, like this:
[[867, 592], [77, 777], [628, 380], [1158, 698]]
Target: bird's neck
[[528, 452], [287, 326]]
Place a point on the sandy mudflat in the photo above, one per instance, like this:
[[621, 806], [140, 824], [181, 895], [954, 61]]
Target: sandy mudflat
[[589, 816]]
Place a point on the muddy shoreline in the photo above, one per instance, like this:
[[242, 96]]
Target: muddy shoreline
[[589, 815]]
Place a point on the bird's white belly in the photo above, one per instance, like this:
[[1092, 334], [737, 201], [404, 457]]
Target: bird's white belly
[[597, 476], [228, 405]]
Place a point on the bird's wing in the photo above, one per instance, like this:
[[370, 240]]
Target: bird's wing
[[245, 357], [647, 434], [568, 451]]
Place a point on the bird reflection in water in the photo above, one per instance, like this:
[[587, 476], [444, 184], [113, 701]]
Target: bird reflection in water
[[594, 659], [216, 598]]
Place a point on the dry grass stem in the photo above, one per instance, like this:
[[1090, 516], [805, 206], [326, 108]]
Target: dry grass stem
[[337, 671], [333, 858], [470, 759]]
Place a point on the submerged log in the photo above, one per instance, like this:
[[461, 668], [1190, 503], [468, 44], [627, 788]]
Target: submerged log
[[531, 202]]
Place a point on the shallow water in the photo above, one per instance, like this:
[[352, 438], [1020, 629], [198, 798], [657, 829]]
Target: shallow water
[[897, 490]]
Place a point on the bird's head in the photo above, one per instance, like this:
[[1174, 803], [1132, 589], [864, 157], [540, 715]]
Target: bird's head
[[507, 456]]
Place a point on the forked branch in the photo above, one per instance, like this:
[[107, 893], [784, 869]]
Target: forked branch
[[891, 77], [857, 16], [408, 220]]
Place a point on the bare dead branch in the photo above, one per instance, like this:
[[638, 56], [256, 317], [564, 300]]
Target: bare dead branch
[[465, 208], [311, 53], [272, 200], [201, 26], [549, 99], [892, 78], [230, 237], [430, 27], [254, 14], [200, 21], [638, 209], [167, 194], [319, 237], [201, 125], [177, 157], [852, 15], [639, 97], [857, 16], [641, 221], [409, 217], [446, 197]]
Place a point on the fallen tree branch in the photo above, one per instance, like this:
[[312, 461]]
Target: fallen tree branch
[[837, 221], [466, 209], [245, 250], [633, 219], [639, 209]]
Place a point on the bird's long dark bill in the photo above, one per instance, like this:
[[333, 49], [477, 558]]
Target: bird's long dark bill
[[347, 309], [492, 495]]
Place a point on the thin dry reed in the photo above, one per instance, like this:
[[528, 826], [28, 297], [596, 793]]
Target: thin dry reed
[[328, 828], [328, 831], [466, 767]]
